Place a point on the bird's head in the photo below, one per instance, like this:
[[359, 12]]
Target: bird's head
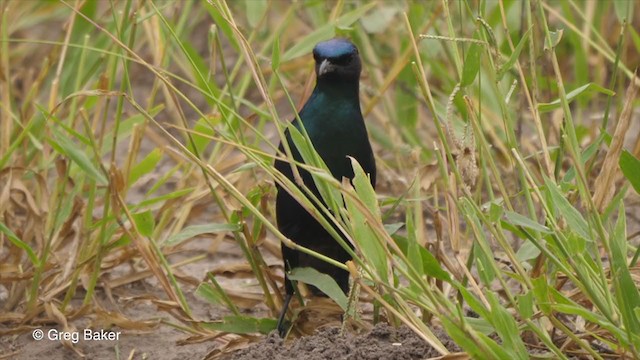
[[337, 59]]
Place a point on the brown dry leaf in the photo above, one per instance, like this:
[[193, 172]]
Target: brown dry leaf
[[66, 232], [4, 195], [143, 246], [453, 217], [127, 298], [234, 344], [238, 268], [59, 317], [201, 338], [318, 312], [127, 279], [105, 319], [165, 305], [116, 179], [10, 317], [16, 330], [245, 299], [12, 269], [428, 175], [272, 245], [605, 186], [186, 279], [28, 203], [78, 312], [61, 167]]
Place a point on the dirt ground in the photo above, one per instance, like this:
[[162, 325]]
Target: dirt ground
[[382, 342]]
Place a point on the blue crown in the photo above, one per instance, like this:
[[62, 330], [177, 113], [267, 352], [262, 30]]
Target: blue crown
[[334, 48]]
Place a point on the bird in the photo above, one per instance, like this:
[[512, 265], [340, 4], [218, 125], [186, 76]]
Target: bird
[[333, 120]]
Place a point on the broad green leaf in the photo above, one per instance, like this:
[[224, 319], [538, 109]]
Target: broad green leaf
[[222, 23], [495, 210], [330, 195], [430, 265], [476, 305], [576, 244], [15, 240], [520, 220], [381, 17], [506, 327], [323, 282], [572, 95], [626, 290], [483, 263], [514, 55], [590, 316], [414, 257], [364, 189], [255, 11], [407, 104], [525, 305], [201, 136], [244, 167], [66, 147], [215, 294], [325, 32], [483, 252], [630, 166], [624, 9], [123, 240], [242, 325], [171, 195], [195, 230], [481, 325], [145, 223], [393, 228], [528, 251], [305, 45], [471, 64], [209, 293], [461, 338], [125, 128], [412, 251], [541, 294], [573, 217], [586, 155], [275, 54], [372, 248], [555, 36], [146, 165], [199, 71]]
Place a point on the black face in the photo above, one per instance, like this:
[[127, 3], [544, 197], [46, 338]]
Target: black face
[[337, 59]]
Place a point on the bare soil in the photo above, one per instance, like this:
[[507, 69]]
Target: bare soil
[[382, 342]]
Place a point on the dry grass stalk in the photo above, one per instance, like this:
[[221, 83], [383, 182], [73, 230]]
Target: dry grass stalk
[[605, 186]]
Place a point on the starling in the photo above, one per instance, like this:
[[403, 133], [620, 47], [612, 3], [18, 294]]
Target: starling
[[333, 120]]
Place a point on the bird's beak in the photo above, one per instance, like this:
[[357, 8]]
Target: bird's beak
[[325, 67]]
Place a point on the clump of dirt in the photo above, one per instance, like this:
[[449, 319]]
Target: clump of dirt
[[382, 342]]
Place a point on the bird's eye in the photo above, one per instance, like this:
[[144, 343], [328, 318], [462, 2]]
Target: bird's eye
[[342, 60]]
